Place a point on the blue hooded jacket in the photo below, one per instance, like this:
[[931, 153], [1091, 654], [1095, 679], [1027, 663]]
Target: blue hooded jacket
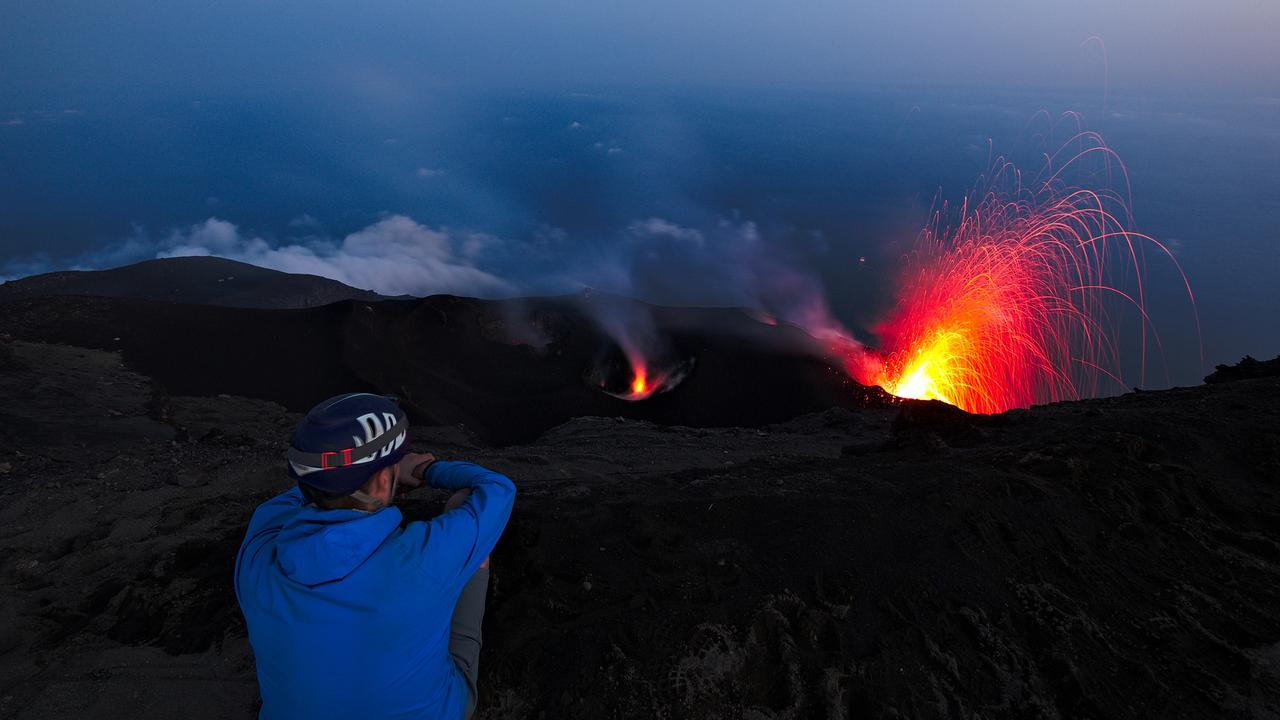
[[348, 613]]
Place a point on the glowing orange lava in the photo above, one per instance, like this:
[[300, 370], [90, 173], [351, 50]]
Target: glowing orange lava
[[1020, 299], [644, 383], [649, 378], [639, 384]]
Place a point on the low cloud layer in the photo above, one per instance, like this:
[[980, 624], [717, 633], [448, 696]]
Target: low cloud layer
[[727, 263], [394, 256], [723, 263]]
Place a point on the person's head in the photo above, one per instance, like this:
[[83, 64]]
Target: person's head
[[344, 452]]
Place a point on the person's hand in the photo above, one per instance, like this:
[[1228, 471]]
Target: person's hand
[[411, 471]]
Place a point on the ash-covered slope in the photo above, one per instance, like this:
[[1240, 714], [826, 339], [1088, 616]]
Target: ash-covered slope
[[507, 370], [1114, 558], [198, 280]]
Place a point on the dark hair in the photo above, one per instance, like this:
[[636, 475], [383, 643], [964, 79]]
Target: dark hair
[[319, 497]]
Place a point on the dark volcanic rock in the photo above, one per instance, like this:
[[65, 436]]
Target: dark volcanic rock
[[455, 360], [288, 356], [1116, 558], [1247, 369]]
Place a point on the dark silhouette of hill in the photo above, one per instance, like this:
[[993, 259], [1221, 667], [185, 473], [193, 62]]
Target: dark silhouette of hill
[[197, 280], [1248, 367], [507, 370]]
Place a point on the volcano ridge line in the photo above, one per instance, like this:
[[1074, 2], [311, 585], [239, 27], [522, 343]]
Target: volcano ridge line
[[445, 356]]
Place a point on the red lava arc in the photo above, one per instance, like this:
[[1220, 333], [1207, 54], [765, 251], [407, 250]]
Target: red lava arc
[[1021, 298]]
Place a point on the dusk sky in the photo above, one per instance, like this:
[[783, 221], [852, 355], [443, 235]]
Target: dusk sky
[[663, 149], [63, 48]]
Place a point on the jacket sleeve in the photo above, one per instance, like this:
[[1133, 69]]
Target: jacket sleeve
[[458, 541], [266, 521]]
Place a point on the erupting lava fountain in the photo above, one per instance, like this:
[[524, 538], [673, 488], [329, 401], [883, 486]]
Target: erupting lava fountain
[[640, 383], [648, 380], [1019, 297]]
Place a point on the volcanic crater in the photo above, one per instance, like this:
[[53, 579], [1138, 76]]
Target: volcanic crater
[[766, 539]]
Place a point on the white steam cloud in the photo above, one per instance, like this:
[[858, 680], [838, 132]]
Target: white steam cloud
[[726, 262], [394, 256], [729, 264]]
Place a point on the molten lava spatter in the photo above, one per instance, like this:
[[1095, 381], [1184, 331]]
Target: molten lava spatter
[[929, 374], [640, 383], [647, 378], [1018, 302]]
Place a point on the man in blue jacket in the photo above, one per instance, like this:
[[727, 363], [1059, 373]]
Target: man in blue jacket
[[350, 613]]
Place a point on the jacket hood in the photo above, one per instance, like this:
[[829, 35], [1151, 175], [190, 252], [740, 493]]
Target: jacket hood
[[319, 546]]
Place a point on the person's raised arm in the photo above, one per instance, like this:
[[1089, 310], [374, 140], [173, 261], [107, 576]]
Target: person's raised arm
[[459, 540]]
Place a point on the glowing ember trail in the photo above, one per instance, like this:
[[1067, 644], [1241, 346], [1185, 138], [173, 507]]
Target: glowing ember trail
[[1020, 300]]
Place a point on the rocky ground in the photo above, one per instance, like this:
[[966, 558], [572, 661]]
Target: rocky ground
[[1112, 558]]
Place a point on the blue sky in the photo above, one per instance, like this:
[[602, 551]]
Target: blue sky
[[64, 48]]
